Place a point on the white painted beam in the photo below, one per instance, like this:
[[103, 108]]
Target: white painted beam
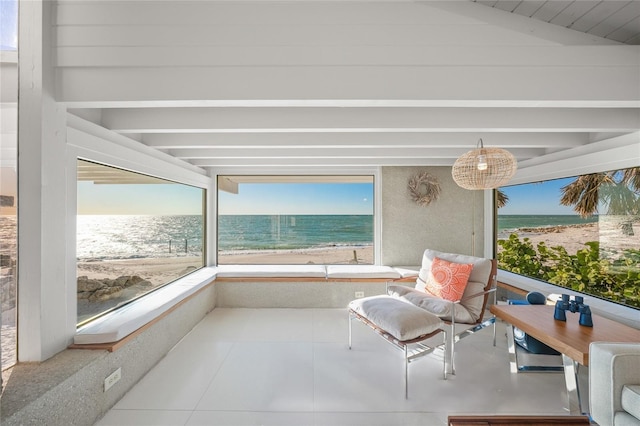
[[364, 140], [583, 85], [406, 54], [320, 152], [276, 164], [265, 120], [612, 154]]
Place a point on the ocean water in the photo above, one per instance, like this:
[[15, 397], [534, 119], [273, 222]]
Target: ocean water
[[105, 237], [102, 237], [290, 232]]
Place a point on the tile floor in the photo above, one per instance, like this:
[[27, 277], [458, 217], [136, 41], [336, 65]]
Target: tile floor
[[293, 367]]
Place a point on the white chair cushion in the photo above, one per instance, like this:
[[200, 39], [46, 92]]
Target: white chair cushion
[[402, 320], [477, 279], [406, 272], [439, 307], [277, 271], [362, 271], [631, 400]]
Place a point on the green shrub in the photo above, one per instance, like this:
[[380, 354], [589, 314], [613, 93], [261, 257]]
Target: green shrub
[[616, 279]]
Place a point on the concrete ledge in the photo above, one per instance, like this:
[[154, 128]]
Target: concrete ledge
[[293, 294], [334, 290], [122, 322], [68, 388]]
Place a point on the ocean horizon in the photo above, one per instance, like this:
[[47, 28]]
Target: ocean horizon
[[102, 237]]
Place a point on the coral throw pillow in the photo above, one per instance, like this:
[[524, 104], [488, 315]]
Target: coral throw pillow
[[448, 280]]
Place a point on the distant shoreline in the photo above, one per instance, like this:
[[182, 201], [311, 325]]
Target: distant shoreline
[[574, 236], [160, 270]]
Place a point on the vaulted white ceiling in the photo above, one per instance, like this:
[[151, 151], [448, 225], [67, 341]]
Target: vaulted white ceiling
[[234, 85], [617, 20]]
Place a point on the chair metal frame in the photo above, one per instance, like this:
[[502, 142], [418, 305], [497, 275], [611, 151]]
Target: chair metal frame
[[490, 289], [419, 349]]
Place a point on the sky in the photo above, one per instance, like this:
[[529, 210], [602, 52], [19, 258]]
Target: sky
[[151, 199], [298, 198], [8, 24], [265, 198], [536, 198]]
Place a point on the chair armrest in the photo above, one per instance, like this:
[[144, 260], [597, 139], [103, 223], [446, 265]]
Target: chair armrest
[[611, 366], [482, 293]]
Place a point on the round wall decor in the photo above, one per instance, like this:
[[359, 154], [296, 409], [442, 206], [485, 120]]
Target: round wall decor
[[424, 188]]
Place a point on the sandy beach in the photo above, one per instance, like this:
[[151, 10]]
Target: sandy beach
[[574, 237], [161, 270], [323, 256]]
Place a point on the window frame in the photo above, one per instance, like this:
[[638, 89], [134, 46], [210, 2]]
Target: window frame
[[375, 172], [95, 144], [618, 152], [93, 317], [561, 288]]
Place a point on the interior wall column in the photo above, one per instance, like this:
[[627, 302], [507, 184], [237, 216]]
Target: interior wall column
[[46, 308]]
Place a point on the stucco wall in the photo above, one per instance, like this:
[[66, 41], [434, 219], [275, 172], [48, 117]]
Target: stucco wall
[[446, 224]]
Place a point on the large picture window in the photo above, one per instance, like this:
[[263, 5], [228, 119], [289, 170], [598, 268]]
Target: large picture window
[[8, 183], [581, 233], [295, 219], [135, 233]]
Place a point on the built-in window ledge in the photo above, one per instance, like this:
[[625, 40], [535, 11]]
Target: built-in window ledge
[[114, 329], [271, 271], [310, 273], [613, 311], [111, 330]]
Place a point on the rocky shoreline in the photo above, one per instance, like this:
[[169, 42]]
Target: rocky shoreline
[[100, 290], [555, 229]]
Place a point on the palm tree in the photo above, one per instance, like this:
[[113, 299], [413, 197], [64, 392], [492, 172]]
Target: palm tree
[[619, 190], [501, 198]]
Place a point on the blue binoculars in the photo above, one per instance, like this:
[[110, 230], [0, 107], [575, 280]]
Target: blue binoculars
[[576, 305]]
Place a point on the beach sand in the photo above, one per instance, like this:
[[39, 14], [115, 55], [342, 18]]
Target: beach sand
[[324, 256], [161, 270], [574, 237]]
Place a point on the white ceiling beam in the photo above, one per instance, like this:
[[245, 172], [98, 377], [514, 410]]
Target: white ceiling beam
[[250, 13], [292, 33], [343, 152], [308, 163], [266, 120], [583, 85], [363, 140], [406, 54]]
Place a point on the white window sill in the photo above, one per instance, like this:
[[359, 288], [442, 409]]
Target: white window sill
[[120, 323], [124, 321]]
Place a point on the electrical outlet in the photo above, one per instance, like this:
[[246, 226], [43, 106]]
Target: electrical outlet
[[112, 379], [359, 294]]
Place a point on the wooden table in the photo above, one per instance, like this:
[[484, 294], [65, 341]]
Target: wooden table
[[488, 420], [567, 337]]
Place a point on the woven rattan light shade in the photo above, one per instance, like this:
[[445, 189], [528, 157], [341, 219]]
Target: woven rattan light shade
[[500, 167]]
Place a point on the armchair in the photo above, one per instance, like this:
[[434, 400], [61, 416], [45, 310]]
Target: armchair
[[467, 313], [614, 383], [410, 315]]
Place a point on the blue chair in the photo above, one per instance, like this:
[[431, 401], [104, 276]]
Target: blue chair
[[521, 338]]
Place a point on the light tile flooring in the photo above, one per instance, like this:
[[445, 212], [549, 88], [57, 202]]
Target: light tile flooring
[[293, 367]]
